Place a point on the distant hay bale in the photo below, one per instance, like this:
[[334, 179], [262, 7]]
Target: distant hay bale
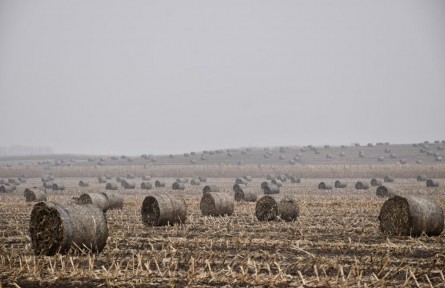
[[119, 179], [239, 186], [324, 186], [370, 145], [61, 228], [271, 189], [361, 185], [282, 178], [294, 179], [161, 210], [273, 208], [329, 156], [202, 179], [216, 204], [342, 154], [340, 184], [277, 182], [381, 159], [269, 177], [248, 178], [130, 176], [6, 189], [34, 195], [178, 186], [83, 184], [111, 186], [195, 182], [402, 161], [246, 194], [97, 199], [264, 184], [146, 185], [58, 187], [375, 182], [438, 159], [48, 185], [182, 180], [383, 191], [411, 216], [388, 179], [128, 185], [210, 188], [146, 178], [102, 179], [387, 150], [432, 183], [422, 178], [361, 154], [419, 162]]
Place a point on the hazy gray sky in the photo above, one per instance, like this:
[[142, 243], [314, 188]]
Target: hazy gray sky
[[132, 77]]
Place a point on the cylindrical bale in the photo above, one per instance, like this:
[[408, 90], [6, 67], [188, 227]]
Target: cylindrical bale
[[160, 210], [282, 178], [210, 188], [277, 182], [422, 178], [272, 208], [361, 185], [239, 186], [321, 185], [340, 184], [375, 182], [202, 179], [432, 183], [269, 177], [411, 216], [240, 181], [216, 204], [97, 199], [59, 228], [264, 184], [248, 178], [195, 181], [34, 195], [159, 183], [119, 179], [383, 191], [58, 187], [146, 177], [271, 189], [111, 186], [128, 185], [146, 186], [294, 179], [6, 189], [102, 179], [83, 184], [245, 195], [178, 186], [115, 200], [181, 180], [388, 179]]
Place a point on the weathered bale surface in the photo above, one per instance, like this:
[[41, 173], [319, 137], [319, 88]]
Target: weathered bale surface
[[245, 195], [321, 185], [340, 184], [58, 187], [210, 188], [240, 181], [264, 184], [375, 182], [282, 178], [272, 208], [411, 216], [102, 179], [111, 186], [159, 183], [160, 210], [48, 185], [432, 183], [422, 178], [248, 178], [6, 189], [202, 179], [383, 191], [115, 200], [361, 185], [294, 179], [83, 184], [277, 182], [216, 204], [146, 186], [119, 179], [97, 199], [178, 186], [146, 177], [59, 228], [271, 189], [128, 185], [195, 181], [269, 177], [34, 195], [388, 179]]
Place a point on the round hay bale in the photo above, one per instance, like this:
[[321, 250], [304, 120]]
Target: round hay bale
[[202, 179], [34, 195], [128, 185], [146, 178], [178, 186], [277, 182], [83, 184], [432, 183], [282, 178], [48, 185], [272, 208], [264, 184], [245, 195], [419, 162], [342, 154], [269, 177], [115, 200], [375, 182], [130, 176], [438, 158], [329, 156], [182, 180], [361, 154], [388, 179], [102, 179], [97, 199], [6, 189], [195, 181], [60, 228], [161, 210], [422, 178], [146, 186], [240, 181], [381, 159], [248, 178], [271, 189], [340, 184], [294, 179], [119, 179], [111, 186], [361, 185], [383, 191], [58, 187], [210, 188], [411, 216], [159, 183], [322, 185], [216, 204]]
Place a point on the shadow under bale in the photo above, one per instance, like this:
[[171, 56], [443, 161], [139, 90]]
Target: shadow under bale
[[161, 210], [34, 195], [216, 204], [432, 183], [340, 184], [383, 191], [272, 208], [210, 188], [411, 216], [61, 228]]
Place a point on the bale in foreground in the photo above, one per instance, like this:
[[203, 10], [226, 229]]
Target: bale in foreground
[[57, 228], [383, 191], [272, 208], [411, 216], [34, 195], [216, 204], [160, 210]]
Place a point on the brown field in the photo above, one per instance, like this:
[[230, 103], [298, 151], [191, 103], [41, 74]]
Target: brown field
[[335, 242]]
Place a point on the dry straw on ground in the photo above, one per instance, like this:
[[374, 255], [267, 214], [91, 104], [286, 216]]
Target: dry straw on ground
[[216, 204], [160, 210], [57, 228], [272, 208], [411, 216]]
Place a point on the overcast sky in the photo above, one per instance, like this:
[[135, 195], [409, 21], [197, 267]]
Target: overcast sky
[[133, 77]]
